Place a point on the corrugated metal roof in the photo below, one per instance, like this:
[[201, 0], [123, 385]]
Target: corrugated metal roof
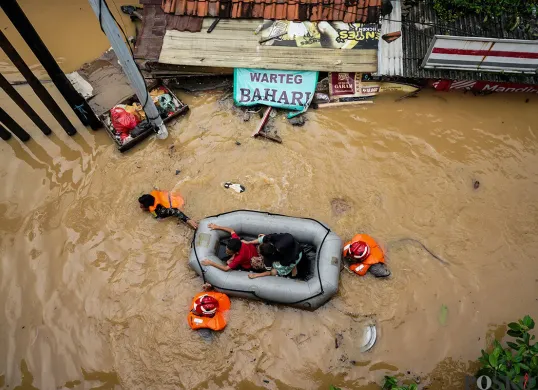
[[421, 24], [390, 54], [365, 11]]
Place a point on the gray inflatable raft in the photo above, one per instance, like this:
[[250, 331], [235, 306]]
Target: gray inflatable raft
[[323, 264]]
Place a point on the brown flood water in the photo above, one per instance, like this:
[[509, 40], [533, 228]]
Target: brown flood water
[[95, 293]]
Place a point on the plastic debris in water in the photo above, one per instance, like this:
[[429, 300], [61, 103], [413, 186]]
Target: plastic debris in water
[[234, 186], [443, 315]]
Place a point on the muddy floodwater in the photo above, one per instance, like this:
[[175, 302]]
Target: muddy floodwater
[[94, 293]]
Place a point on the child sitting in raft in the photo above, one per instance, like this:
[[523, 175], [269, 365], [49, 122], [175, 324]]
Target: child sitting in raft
[[242, 252], [280, 252]]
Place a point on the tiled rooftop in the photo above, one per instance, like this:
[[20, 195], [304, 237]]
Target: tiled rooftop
[[348, 11]]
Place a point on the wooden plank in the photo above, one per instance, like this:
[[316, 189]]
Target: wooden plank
[[235, 49], [264, 120], [269, 62], [211, 50], [233, 23], [177, 57], [364, 68]]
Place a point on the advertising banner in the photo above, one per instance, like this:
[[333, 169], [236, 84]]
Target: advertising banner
[[287, 89], [483, 86], [326, 35], [350, 86]]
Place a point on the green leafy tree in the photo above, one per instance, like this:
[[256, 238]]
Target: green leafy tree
[[514, 12], [518, 362]]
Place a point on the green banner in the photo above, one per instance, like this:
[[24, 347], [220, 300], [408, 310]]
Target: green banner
[[288, 89]]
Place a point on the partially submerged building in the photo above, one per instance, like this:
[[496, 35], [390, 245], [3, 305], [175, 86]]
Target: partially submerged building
[[408, 43]]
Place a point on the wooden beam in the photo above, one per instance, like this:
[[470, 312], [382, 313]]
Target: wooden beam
[[4, 133], [33, 82], [77, 103], [13, 126], [14, 95], [228, 48]]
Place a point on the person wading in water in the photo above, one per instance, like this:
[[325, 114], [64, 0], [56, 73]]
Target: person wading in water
[[164, 204]]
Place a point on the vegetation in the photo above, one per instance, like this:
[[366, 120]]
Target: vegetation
[[518, 362], [513, 10], [392, 384]]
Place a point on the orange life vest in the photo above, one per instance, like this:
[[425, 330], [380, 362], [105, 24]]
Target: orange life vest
[[166, 199], [376, 254], [217, 322]]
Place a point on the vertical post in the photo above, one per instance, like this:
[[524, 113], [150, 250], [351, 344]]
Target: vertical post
[[4, 134], [39, 89], [110, 28], [79, 105], [13, 126], [14, 95]]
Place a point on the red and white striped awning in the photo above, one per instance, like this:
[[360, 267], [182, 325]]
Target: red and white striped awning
[[482, 54]]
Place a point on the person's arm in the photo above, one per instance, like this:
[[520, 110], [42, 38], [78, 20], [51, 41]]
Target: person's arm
[[262, 274], [224, 268], [228, 230], [257, 241], [161, 212]]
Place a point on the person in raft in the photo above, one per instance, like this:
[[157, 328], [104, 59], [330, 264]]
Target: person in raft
[[164, 204], [242, 252], [365, 255], [281, 254]]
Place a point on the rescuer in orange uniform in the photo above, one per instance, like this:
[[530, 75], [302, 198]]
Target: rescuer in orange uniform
[[208, 311], [364, 254], [163, 204]]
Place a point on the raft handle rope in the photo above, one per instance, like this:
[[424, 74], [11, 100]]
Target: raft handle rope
[[444, 262], [193, 245]]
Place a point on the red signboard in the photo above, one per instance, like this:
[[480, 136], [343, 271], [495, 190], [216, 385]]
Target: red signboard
[[343, 84], [483, 86]]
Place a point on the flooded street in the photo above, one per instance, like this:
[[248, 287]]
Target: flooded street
[[95, 294]]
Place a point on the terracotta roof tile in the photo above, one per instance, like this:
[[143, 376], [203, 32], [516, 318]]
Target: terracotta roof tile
[[349, 11], [154, 25]]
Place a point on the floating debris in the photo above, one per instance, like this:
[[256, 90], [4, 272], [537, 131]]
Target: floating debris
[[297, 120], [261, 132], [235, 186]]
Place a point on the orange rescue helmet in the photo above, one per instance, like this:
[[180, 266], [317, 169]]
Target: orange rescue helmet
[[359, 250], [205, 306]]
